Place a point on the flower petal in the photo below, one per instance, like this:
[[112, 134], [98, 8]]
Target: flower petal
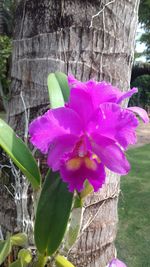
[[52, 124], [80, 101], [97, 179], [110, 154], [58, 148], [117, 263], [101, 92], [104, 92], [127, 95], [76, 176], [141, 112], [74, 83], [116, 123]]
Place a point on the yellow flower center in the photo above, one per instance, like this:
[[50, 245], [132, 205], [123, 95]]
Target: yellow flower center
[[90, 164], [75, 163]]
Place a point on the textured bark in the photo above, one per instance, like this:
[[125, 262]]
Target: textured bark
[[140, 69], [67, 36]]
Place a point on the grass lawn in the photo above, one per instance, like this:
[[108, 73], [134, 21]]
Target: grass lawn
[[133, 240]]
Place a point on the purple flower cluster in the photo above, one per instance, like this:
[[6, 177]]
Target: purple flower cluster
[[90, 133]]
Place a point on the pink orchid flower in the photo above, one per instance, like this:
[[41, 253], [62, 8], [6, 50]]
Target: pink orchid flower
[[87, 135]]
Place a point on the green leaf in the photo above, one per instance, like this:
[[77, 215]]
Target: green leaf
[[63, 262], [52, 214], [58, 89], [55, 93], [19, 153], [63, 83], [19, 239], [5, 249]]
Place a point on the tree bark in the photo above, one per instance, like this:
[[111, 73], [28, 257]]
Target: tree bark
[[91, 39]]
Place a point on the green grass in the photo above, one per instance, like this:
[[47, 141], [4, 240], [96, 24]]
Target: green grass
[[133, 240]]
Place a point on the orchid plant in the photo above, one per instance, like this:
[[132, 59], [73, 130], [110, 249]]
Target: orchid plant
[[85, 131]]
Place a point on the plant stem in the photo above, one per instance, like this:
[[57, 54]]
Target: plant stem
[[42, 260]]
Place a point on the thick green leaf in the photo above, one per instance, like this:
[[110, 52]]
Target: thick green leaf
[[52, 214], [58, 89], [63, 83], [19, 239], [55, 93], [19, 153], [5, 249], [63, 262]]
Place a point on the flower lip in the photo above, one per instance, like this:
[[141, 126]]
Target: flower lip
[[75, 170], [74, 164]]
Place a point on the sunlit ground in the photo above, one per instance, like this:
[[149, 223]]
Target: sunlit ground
[[133, 241]]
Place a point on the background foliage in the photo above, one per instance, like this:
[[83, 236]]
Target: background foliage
[[144, 19], [5, 51], [142, 99]]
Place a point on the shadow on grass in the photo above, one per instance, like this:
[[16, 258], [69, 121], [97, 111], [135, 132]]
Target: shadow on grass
[[133, 240]]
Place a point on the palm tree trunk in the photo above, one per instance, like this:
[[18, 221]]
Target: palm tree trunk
[[91, 39]]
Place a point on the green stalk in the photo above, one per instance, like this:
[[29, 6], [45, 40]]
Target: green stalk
[[41, 261], [62, 262]]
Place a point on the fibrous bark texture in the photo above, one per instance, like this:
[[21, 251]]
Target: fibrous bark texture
[[91, 39]]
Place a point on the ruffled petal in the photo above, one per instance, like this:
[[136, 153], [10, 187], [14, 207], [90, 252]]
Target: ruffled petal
[[141, 112], [110, 154], [52, 124], [101, 92], [58, 148], [80, 101], [83, 169], [98, 179], [127, 95], [74, 83], [104, 92], [116, 123]]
